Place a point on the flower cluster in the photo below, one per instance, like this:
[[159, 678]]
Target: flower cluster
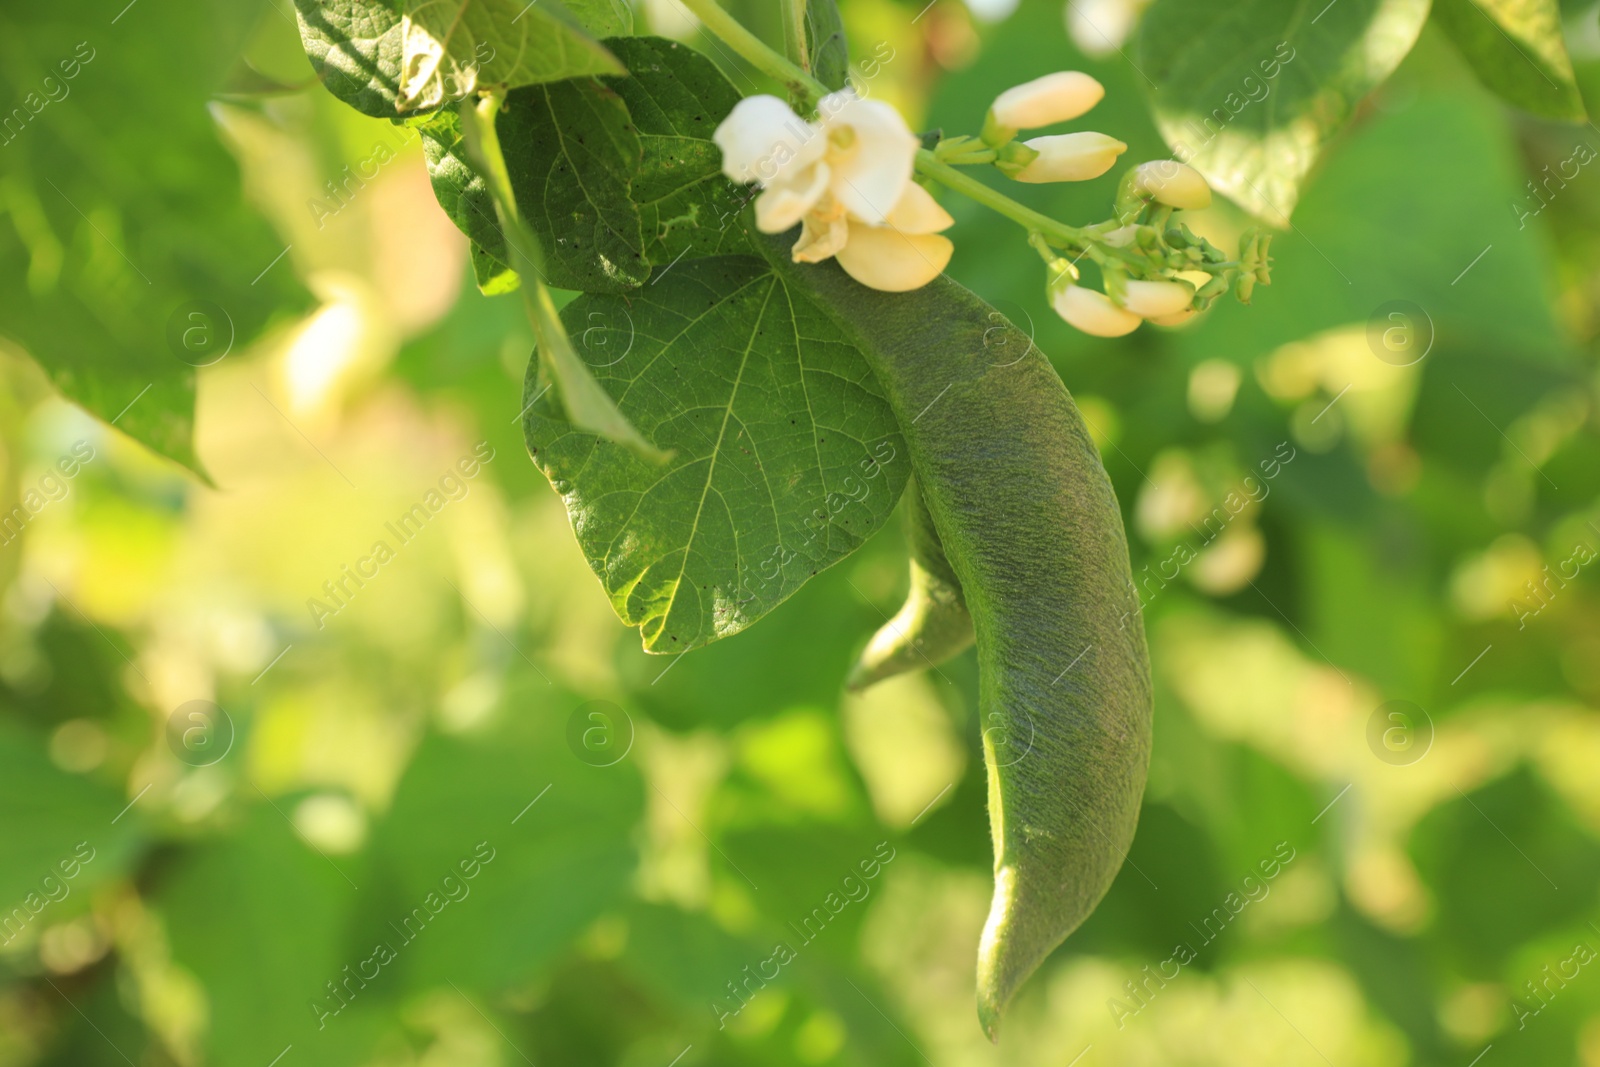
[[847, 180]]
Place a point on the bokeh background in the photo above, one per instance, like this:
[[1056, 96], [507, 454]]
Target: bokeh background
[[1370, 835]]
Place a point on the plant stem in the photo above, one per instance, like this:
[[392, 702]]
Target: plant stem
[[763, 58], [807, 90], [588, 406], [755, 50], [794, 33], [930, 165]]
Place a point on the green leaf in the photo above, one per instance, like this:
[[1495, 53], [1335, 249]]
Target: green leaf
[[1250, 93], [580, 397], [602, 18], [571, 153], [264, 896], [787, 456], [547, 835], [492, 274], [453, 47], [61, 841], [355, 46], [649, 188], [462, 192], [676, 98], [826, 44], [466, 199], [127, 255], [583, 401], [1515, 48]]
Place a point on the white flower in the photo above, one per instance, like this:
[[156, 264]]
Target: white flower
[[1101, 27], [846, 179], [1153, 300], [1053, 98], [905, 254], [1169, 182], [1070, 157], [1093, 312]]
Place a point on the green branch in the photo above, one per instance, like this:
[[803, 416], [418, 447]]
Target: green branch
[[756, 51], [794, 33]]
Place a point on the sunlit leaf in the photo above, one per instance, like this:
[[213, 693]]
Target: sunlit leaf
[[1250, 93], [787, 456], [354, 46], [508, 843], [123, 267], [1515, 48], [676, 97], [452, 47], [602, 18], [571, 153]]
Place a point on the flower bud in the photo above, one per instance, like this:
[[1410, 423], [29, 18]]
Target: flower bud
[[1150, 300], [1050, 99], [1174, 320], [1121, 237], [1071, 157], [1093, 312], [1169, 182]]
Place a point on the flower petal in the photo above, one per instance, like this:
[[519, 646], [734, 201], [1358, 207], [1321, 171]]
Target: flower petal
[[894, 262], [871, 171], [1172, 183], [1151, 300], [1071, 157], [784, 204], [1177, 319], [919, 212], [820, 238], [763, 140], [1093, 312], [1053, 98]]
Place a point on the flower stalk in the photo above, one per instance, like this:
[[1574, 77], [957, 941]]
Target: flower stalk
[[1139, 245]]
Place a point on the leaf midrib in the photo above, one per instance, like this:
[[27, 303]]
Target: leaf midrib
[[716, 452]]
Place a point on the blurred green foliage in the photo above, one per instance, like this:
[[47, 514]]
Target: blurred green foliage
[[657, 826]]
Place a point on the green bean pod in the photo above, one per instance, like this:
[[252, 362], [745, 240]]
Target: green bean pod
[[933, 625], [1031, 527]]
